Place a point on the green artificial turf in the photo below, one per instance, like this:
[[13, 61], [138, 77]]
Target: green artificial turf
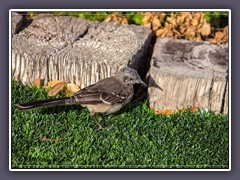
[[65, 137]]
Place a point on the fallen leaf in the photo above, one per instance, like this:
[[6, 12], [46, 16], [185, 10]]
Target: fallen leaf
[[71, 89], [56, 88], [206, 29], [170, 112], [53, 83], [194, 109], [108, 19], [164, 112], [38, 82], [155, 23], [146, 19]]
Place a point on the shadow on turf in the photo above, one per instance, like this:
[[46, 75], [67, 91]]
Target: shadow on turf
[[79, 108]]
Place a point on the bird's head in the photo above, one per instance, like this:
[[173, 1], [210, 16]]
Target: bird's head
[[129, 76]]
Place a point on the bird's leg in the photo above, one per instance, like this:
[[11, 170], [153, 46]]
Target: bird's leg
[[108, 127], [100, 127]]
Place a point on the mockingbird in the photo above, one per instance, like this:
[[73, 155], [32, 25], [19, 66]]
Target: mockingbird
[[106, 96]]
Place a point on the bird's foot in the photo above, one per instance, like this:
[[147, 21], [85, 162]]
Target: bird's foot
[[109, 127], [103, 128], [99, 128]]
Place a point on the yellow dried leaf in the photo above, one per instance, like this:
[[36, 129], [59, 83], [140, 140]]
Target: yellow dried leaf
[[182, 29], [162, 16], [219, 35], [190, 33], [161, 32], [214, 41], [56, 88], [170, 112], [146, 19], [202, 19], [170, 20], [197, 38], [149, 25], [194, 109], [206, 29], [225, 30], [108, 19], [187, 20], [195, 22], [155, 23], [124, 21], [190, 16], [38, 82], [53, 83], [191, 109], [71, 89], [116, 19], [164, 112], [197, 16], [169, 34], [180, 19]]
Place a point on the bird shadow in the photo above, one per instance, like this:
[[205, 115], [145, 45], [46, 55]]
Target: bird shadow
[[60, 109]]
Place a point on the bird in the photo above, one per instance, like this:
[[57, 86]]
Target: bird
[[106, 96]]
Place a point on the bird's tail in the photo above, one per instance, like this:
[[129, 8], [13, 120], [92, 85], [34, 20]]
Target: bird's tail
[[42, 103]]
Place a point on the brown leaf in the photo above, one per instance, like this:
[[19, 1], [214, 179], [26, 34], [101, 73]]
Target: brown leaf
[[124, 20], [194, 109], [191, 109], [108, 19], [170, 112], [161, 32], [214, 41], [116, 18], [206, 29], [219, 35], [146, 19], [156, 23], [56, 88], [180, 19], [38, 82], [71, 89], [164, 112], [149, 25], [53, 83], [195, 22], [225, 30]]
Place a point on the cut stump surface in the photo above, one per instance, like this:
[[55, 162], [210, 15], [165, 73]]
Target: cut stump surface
[[188, 73], [77, 50]]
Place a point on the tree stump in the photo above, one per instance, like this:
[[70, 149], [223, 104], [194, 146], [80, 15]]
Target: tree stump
[[17, 20], [188, 73], [77, 50]]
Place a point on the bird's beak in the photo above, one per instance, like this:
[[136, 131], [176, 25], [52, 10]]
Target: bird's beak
[[143, 83]]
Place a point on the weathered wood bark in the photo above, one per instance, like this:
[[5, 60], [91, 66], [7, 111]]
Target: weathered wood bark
[[16, 22], [226, 102], [190, 73], [78, 50]]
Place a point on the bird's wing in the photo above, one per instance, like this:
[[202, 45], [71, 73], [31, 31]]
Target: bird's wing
[[109, 91], [113, 98], [88, 95]]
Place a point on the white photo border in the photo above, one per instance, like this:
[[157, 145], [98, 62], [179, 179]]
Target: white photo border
[[116, 10]]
